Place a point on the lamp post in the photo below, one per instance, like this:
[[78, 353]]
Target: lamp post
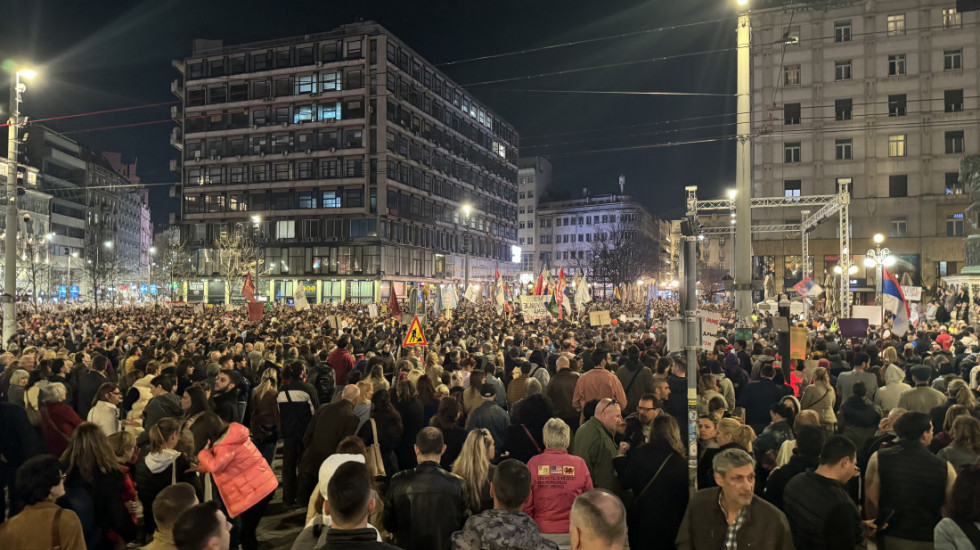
[[256, 221], [10, 254], [71, 256], [467, 209], [743, 169], [878, 258]]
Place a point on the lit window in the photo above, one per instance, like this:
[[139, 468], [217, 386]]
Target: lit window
[[896, 145], [896, 24], [791, 75], [952, 19], [792, 188]]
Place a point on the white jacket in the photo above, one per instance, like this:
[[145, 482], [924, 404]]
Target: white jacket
[[106, 416]]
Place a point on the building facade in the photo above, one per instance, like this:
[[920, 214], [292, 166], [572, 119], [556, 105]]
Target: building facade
[[882, 97], [534, 176], [348, 158]]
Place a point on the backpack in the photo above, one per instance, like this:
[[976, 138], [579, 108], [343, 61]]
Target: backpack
[[323, 380]]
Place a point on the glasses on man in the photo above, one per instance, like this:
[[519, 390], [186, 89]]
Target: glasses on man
[[606, 406]]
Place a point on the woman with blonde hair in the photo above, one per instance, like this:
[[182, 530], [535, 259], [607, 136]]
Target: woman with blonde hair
[[264, 423], [965, 448], [731, 434], [473, 465], [377, 377], [162, 467], [819, 397]]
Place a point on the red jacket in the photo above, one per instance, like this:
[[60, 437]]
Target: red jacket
[[556, 479], [342, 362], [58, 422], [242, 476]]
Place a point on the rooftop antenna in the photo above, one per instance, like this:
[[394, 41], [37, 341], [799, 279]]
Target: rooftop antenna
[[622, 184]]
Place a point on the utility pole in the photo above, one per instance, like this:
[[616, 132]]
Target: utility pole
[[743, 170], [692, 340], [10, 242]]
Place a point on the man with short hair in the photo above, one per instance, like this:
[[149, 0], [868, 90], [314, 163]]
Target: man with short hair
[[818, 507], [506, 526], [635, 377], [164, 403], [490, 416], [88, 385], [426, 504], [331, 423], [758, 396], [730, 516], [809, 440], [923, 397], [597, 521], [350, 501], [341, 360], [225, 395], [202, 527], [911, 481], [169, 504], [595, 443], [639, 423], [846, 380], [598, 383]]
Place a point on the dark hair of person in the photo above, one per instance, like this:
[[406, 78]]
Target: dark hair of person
[[104, 391], [860, 389], [782, 410], [99, 363], [911, 425], [293, 370], [511, 483], [88, 452], [534, 412], [427, 392], [197, 525], [164, 381], [405, 392], [809, 441], [349, 492], [35, 478], [57, 365], [861, 358], [208, 426], [965, 500], [429, 441], [233, 377], [835, 449], [588, 410], [199, 401], [716, 404], [351, 445], [343, 341], [171, 502], [381, 408], [767, 371], [446, 417], [633, 352]]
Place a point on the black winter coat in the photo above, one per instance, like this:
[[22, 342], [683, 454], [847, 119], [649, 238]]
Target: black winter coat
[[665, 500], [424, 506]]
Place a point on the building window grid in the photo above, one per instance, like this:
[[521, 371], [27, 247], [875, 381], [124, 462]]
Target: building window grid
[[791, 75], [954, 225], [954, 142], [792, 152], [843, 109], [952, 19], [843, 149], [842, 31], [898, 226], [896, 24], [897, 105], [896, 145], [952, 60], [842, 69], [896, 65]]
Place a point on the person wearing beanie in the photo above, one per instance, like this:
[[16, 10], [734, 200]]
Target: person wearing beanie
[[490, 416]]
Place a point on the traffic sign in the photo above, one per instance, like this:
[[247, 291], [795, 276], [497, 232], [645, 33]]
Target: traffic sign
[[62, 291], [73, 290], [143, 289], [415, 336], [153, 289]]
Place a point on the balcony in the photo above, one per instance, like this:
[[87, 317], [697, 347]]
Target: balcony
[[176, 113], [176, 139], [176, 88]]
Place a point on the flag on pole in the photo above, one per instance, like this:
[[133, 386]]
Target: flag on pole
[[617, 295], [393, 308], [560, 292], [807, 287], [299, 299], [893, 299], [254, 311], [501, 299], [582, 296], [248, 289], [539, 288], [553, 308]]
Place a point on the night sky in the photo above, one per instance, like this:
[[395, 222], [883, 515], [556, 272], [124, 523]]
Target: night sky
[[96, 55]]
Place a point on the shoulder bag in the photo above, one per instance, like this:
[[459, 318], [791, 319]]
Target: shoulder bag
[[56, 529], [970, 530], [531, 437], [374, 461], [655, 476]]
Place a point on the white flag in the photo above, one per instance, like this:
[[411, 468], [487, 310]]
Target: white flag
[[472, 294], [299, 299]]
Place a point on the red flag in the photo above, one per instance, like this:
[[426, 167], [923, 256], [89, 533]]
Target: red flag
[[248, 289], [255, 311], [393, 308], [539, 288], [560, 292], [496, 274]]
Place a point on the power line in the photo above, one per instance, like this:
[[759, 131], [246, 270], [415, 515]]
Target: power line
[[580, 42], [91, 113], [613, 92]]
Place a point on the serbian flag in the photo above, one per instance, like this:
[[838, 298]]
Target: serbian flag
[[539, 288], [893, 299], [807, 287], [248, 289]]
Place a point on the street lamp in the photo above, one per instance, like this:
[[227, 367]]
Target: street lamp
[[743, 167], [467, 209], [878, 258], [17, 88]]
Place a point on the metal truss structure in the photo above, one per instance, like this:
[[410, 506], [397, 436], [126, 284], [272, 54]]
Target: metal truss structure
[[829, 205]]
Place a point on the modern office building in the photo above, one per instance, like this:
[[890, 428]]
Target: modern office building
[[534, 176], [348, 157], [881, 96]]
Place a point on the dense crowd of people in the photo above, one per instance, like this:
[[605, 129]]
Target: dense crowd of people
[[161, 427]]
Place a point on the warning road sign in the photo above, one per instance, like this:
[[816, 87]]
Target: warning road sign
[[415, 337]]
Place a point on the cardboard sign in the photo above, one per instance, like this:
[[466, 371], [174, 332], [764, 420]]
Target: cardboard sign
[[373, 310], [797, 342], [912, 293], [710, 325], [534, 308], [871, 313], [414, 336], [599, 318]]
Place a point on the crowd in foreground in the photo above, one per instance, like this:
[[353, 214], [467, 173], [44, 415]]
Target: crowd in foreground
[[159, 427]]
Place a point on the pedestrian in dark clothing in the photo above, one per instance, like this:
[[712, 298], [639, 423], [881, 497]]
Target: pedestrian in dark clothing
[[757, 397], [412, 413], [352, 501], [18, 442], [88, 385], [225, 396], [805, 457], [331, 424], [297, 403]]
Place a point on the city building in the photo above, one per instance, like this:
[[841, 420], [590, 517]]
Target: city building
[[574, 233], [881, 97], [348, 158]]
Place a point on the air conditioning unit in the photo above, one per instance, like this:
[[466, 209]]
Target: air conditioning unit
[[197, 155]]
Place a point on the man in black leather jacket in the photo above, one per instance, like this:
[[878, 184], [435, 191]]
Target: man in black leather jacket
[[426, 504]]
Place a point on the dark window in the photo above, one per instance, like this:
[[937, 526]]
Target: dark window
[[842, 109], [953, 100], [954, 142], [353, 198], [792, 188], [791, 113], [261, 61], [843, 149], [898, 186], [896, 105], [842, 31], [953, 185]]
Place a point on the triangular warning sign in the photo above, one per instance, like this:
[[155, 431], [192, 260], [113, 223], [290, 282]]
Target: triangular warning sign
[[415, 337]]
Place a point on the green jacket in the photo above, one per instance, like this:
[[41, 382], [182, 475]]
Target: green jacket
[[596, 446]]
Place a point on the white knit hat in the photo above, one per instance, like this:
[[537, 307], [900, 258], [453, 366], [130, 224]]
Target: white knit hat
[[330, 466]]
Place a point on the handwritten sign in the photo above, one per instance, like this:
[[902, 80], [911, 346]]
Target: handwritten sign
[[710, 325], [599, 318], [534, 308]]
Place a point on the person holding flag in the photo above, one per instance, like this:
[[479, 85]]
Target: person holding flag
[[893, 299]]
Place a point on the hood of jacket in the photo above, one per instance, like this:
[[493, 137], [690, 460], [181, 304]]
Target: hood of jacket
[[894, 374], [237, 434], [633, 365], [160, 461], [144, 382]]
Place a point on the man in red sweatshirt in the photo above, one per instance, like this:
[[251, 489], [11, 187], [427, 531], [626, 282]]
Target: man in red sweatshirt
[[341, 360]]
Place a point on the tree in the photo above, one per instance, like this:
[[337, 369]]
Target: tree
[[622, 253], [172, 261], [235, 255], [101, 265], [35, 267]]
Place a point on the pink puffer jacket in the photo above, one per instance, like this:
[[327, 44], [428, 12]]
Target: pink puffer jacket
[[243, 477]]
